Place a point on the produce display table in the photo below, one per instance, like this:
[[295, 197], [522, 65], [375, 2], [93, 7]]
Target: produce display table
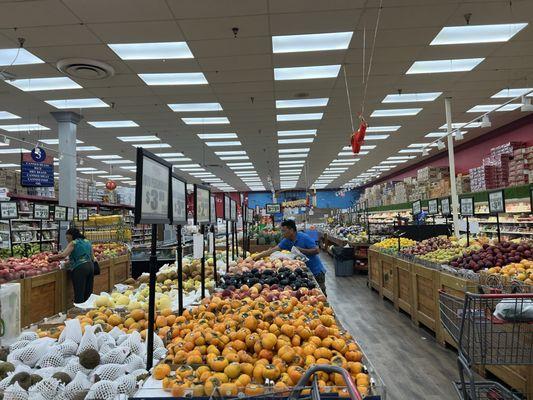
[[414, 289], [360, 250]]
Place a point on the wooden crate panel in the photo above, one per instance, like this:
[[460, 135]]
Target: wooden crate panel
[[120, 270], [41, 297], [387, 279], [404, 285], [257, 248], [425, 296], [102, 281], [374, 269], [519, 377]]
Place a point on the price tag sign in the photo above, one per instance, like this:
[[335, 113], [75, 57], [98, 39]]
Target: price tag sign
[[152, 191], [445, 207], [233, 210], [467, 206], [41, 211], [198, 245], [70, 214], [201, 204], [250, 217], [60, 213], [179, 201], [83, 214], [273, 208], [9, 210], [433, 207], [417, 207], [227, 208], [25, 237], [211, 241], [213, 211], [496, 202]]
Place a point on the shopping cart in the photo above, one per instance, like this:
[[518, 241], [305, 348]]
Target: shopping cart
[[494, 327]]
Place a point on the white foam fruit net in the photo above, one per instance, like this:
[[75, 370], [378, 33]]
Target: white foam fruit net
[[47, 388], [115, 356], [74, 366], [134, 343], [133, 362], [72, 331], [67, 348], [102, 390], [109, 372], [15, 392], [53, 358], [88, 340], [30, 354], [79, 384], [19, 345], [28, 335], [126, 384]]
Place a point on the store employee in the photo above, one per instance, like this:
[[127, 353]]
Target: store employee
[[303, 243]]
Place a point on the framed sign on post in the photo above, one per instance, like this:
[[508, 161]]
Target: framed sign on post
[[227, 208], [70, 214], [9, 210], [233, 211], [433, 207], [467, 206], [273, 208], [60, 213], [445, 207], [178, 191], [83, 214], [213, 209], [202, 205], [152, 190], [41, 211], [417, 207], [496, 202]]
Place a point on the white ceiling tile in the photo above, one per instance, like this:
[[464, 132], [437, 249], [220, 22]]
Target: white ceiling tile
[[20, 14], [90, 11], [216, 8], [138, 32], [221, 28]]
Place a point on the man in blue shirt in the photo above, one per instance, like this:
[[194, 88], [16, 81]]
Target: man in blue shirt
[[302, 241]]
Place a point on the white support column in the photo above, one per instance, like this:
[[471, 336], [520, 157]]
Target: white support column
[[67, 125], [451, 161]]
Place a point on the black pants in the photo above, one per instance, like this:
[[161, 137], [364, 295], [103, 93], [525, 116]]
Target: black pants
[[321, 280], [82, 281]]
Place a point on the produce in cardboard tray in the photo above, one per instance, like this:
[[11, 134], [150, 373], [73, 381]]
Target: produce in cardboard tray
[[497, 255], [392, 243], [248, 264], [282, 277], [429, 245], [16, 268], [522, 271], [103, 251]]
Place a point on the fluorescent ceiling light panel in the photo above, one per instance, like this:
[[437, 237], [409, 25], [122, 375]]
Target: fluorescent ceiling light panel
[[55, 141], [477, 34], [441, 134], [302, 150], [376, 137], [222, 144], [377, 129], [291, 162], [207, 136], [290, 171], [299, 117], [42, 84], [110, 176], [411, 151], [152, 145], [227, 158], [311, 42], [106, 157], [206, 121], [163, 155], [239, 164], [194, 107], [316, 72], [113, 124], [152, 51], [300, 132], [147, 138], [368, 147], [77, 103], [394, 162], [296, 140], [411, 97], [399, 112], [231, 153], [93, 172], [246, 173], [297, 155], [18, 56], [174, 79], [85, 169], [130, 168], [242, 167], [87, 148], [319, 102], [192, 169], [442, 66], [419, 145], [511, 93], [187, 166], [400, 157], [9, 165], [8, 115], [24, 128], [482, 108], [457, 125]]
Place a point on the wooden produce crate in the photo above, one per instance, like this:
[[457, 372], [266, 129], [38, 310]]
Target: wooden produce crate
[[403, 286], [519, 377], [42, 297], [102, 282], [425, 307], [374, 267], [387, 277], [258, 248], [120, 269]]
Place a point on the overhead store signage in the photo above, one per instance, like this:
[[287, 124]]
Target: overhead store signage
[[433, 207], [41, 211], [417, 207], [37, 169], [250, 216], [83, 214], [273, 208], [496, 202], [233, 211], [213, 209], [152, 189], [201, 204], [227, 208], [467, 206], [445, 207], [179, 201], [9, 210], [60, 213]]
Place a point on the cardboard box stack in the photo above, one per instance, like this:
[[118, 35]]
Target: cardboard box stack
[[521, 167], [463, 184]]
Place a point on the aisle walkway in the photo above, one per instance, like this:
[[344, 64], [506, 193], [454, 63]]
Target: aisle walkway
[[411, 364]]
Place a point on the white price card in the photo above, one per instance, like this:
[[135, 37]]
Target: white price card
[[155, 182], [60, 213], [197, 245], [417, 207], [474, 227], [433, 207], [445, 207], [496, 202], [41, 211], [8, 210], [70, 214], [467, 206], [83, 214], [26, 237], [179, 201], [211, 241]]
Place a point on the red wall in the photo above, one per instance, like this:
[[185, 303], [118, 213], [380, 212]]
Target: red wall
[[470, 155]]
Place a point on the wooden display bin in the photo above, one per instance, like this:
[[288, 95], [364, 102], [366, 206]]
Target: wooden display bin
[[374, 268], [519, 377], [41, 297], [425, 307], [403, 286], [120, 269], [258, 248], [387, 277]]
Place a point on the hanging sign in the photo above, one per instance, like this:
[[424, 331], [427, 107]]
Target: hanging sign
[[417, 207], [60, 213], [152, 190], [179, 201], [433, 207], [273, 208], [227, 208], [250, 216], [496, 202], [445, 207], [41, 211], [83, 214], [213, 209], [467, 206], [70, 214], [233, 211], [37, 169], [201, 204], [9, 210], [211, 242]]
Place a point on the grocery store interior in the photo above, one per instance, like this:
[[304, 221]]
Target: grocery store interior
[[266, 199]]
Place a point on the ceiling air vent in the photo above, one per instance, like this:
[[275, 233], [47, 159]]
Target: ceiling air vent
[[84, 68]]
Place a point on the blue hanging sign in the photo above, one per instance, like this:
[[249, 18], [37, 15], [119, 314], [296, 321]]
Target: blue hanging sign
[[37, 169]]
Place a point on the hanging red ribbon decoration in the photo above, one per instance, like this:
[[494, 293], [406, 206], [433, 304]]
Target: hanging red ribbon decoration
[[111, 185], [358, 137]]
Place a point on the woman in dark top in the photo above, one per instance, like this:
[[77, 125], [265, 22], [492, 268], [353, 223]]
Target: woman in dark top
[[80, 254]]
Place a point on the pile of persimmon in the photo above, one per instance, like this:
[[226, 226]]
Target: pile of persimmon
[[239, 344]]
